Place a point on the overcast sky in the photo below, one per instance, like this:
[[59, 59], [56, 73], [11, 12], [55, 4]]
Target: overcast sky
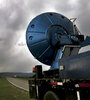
[[15, 16]]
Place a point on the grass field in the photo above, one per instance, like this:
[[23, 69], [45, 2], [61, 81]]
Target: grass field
[[10, 92]]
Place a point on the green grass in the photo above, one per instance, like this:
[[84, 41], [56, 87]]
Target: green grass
[[10, 92]]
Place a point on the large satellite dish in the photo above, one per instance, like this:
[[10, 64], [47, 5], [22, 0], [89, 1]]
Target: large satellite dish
[[47, 33]]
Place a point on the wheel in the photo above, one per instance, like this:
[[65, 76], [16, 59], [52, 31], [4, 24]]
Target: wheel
[[50, 95]]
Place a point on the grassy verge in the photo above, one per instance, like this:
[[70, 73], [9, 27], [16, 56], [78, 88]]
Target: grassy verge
[[10, 92]]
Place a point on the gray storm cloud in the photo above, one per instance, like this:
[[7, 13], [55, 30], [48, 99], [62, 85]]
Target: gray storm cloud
[[15, 16]]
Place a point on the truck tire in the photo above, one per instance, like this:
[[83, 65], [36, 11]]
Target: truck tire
[[50, 95]]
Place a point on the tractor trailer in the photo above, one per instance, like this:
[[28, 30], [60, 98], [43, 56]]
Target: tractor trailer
[[55, 40]]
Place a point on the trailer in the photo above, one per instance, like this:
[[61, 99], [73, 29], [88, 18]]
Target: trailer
[[55, 40]]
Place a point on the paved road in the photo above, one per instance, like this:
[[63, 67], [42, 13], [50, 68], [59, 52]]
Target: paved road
[[19, 83]]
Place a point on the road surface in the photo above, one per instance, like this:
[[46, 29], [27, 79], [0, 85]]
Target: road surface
[[19, 83]]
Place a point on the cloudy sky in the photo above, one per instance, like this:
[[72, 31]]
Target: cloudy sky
[[15, 16]]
